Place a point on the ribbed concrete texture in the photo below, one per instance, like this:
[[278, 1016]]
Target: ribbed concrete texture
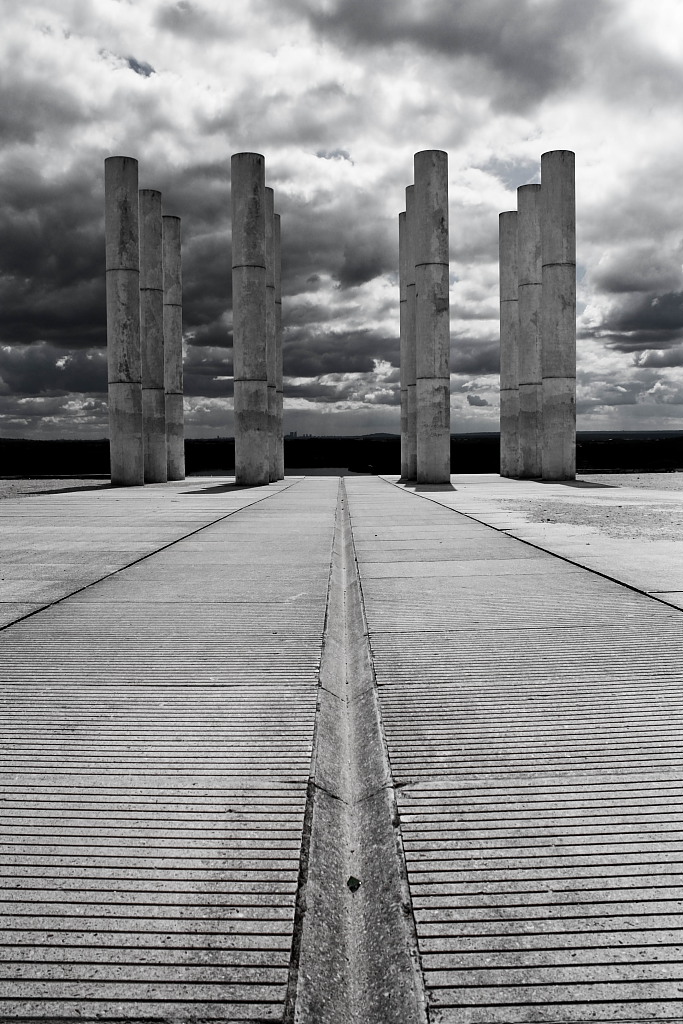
[[271, 327], [432, 318], [410, 367], [558, 360], [152, 336], [509, 332], [530, 290], [533, 724], [173, 348], [156, 744], [249, 305], [277, 262], [121, 229]]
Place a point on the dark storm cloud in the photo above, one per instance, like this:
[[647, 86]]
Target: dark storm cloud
[[345, 390], [205, 372], [44, 369], [309, 355], [654, 358], [643, 322], [477, 400], [140, 67], [366, 258], [638, 268], [530, 49], [475, 357]]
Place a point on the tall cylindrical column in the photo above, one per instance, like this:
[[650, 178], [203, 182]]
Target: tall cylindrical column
[[270, 336], [432, 317], [173, 349], [277, 263], [121, 227], [509, 380], [249, 318], [529, 352], [152, 336], [558, 360], [402, 300], [410, 371]]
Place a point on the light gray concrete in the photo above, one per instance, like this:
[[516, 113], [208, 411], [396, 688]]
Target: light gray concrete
[[152, 336], [173, 348], [509, 331], [271, 327], [530, 290], [249, 308], [121, 228], [403, 342], [277, 262], [558, 359], [410, 369], [432, 317], [154, 764], [533, 727], [358, 960]]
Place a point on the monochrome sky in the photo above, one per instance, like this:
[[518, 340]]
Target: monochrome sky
[[338, 95]]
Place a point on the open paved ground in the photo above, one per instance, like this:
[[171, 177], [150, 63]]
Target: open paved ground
[[336, 751]]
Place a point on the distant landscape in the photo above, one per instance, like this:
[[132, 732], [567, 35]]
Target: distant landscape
[[597, 452]]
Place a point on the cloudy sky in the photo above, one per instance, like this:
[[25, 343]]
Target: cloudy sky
[[338, 95]]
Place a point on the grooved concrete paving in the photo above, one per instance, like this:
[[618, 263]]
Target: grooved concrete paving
[[532, 714], [161, 674], [156, 743]]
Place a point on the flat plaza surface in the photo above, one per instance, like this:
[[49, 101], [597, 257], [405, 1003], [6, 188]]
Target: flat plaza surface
[[159, 661]]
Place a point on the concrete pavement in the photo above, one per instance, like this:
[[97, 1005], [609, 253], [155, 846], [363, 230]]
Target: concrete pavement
[[169, 789]]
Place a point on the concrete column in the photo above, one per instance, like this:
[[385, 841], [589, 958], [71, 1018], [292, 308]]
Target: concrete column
[[410, 372], [152, 337], [173, 349], [403, 317], [558, 359], [270, 337], [249, 318], [529, 306], [121, 228], [277, 263], [432, 318], [509, 380]]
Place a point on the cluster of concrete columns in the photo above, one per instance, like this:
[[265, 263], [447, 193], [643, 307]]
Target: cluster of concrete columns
[[538, 326], [144, 331], [257, 324], [425, 323]]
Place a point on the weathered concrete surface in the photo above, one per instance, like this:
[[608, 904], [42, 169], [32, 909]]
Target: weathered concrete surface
[[152, 336], [558, 314], [248, 199], [403, 341], [627, 527], [358, 959], [277, 263], [533, 727], [173, 348], [509, 345], [155, 757], [271, 331], [432, 317], [410, 367], [529, 290], [124, 368]]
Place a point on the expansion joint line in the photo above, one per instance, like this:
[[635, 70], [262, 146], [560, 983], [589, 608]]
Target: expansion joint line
[[354, 956]]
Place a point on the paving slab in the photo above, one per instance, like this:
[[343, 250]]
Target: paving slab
[[157, 727], [533, 727]]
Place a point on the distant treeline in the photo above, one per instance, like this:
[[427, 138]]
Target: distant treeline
[[470, 453]]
